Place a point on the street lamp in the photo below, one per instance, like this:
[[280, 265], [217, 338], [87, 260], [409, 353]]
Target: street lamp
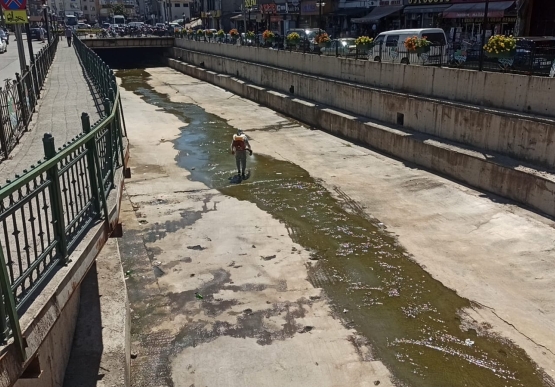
[[483, 42], [320, 5]]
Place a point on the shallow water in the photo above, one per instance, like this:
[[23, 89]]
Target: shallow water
[[412, 321]]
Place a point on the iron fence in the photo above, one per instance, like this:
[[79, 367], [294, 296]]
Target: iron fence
[[527, 60], [19, 97], [45, 213]]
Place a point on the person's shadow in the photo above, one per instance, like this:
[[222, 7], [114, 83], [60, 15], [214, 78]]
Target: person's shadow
[[237, 179]]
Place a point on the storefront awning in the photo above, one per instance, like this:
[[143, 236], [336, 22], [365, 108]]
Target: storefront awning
[[241, 17], [426, 9], [377, 14], [495, 9], [351, 11], [194, 23]]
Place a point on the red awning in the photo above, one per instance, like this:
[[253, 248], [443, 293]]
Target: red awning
[[460, 11]]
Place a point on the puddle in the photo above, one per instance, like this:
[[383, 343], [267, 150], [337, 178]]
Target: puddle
[[412, 321]]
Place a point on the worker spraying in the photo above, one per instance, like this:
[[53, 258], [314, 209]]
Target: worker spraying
[[239, 147]]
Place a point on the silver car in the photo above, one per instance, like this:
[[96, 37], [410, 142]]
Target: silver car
[[341, 47], [3, 42]]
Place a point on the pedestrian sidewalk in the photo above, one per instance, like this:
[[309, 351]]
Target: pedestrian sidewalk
[[65, 95]]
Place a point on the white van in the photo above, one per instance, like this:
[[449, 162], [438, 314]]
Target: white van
[[390, 47]]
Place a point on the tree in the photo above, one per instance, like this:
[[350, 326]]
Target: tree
[[118, 9]]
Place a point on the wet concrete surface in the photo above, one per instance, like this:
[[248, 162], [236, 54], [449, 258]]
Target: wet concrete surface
[[413, 323]]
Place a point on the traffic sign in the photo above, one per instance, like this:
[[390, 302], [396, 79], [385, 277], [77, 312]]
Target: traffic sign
[[13, 4], [18, 16]]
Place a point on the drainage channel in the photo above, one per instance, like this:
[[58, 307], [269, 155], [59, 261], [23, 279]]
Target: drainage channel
[[415, 325]]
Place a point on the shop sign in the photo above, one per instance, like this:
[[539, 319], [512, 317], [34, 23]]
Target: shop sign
[[282, 9], [390, 2], [429, 2], [309, 8], [508, 19], [293, 8], [269, 9]]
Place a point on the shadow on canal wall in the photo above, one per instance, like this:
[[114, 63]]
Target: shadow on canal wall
[[493, 173], [133, 58]]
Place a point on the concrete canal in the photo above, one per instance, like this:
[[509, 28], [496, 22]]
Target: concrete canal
[[415, 325]]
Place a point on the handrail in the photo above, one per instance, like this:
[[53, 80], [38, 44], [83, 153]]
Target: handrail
[[46, 212], [19, 97], [43, 166]]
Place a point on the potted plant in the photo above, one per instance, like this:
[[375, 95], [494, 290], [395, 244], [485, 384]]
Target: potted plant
[[418, 45], [293, 39], [200, 34], [364, 43], [234, 34], [323, 40], [500, 46], [250, 36], [208, 34], [268, 36], [221, 35]]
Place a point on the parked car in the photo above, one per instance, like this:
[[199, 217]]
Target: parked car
[[341, 47], [38, 33], [3, 42], [390, 46], [83, 26]]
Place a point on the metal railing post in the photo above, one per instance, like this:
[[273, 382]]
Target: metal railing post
[[3, 139], [22, 99], [10, 308], [56, 198], [91, 164], [109, 141]]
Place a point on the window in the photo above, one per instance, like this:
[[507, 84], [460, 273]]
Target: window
[[84, 8], [177, 5], [379, 40], [437, 39], [92, 9], [186, 5], [392, 41]]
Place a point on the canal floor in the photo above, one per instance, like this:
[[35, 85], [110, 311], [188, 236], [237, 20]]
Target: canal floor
[[397, 313]]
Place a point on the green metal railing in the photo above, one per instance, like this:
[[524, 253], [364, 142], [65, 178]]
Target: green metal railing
[[19, 97], [45, 212]]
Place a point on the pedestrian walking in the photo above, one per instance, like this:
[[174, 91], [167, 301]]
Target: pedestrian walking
[[68, 36], [239, 147]]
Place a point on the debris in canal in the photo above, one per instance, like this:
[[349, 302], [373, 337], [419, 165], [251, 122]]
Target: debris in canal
[[410, 319]]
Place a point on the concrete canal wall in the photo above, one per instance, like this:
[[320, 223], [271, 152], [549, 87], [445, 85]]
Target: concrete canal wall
[[515, 134], [518, 93], [492, 174]]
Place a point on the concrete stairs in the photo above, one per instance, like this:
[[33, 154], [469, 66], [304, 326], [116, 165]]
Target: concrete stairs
[[500, 173]]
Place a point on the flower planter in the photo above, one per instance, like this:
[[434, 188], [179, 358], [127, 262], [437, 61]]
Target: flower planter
[[500, 55], [293, 43], [421, 50]]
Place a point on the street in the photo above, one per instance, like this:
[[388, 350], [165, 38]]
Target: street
[[331, 265], [9, 61]]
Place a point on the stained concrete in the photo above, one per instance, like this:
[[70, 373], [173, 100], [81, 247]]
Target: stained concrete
[[259, 321], [100, 353], [492, 252]]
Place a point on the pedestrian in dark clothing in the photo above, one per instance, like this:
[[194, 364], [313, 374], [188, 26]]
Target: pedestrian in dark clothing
[[68, 36]]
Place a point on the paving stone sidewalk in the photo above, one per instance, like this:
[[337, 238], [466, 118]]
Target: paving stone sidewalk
[[64, 97]]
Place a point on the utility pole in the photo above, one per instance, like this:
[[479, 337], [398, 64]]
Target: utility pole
[[29, 43], [483, 42], [20, 48]]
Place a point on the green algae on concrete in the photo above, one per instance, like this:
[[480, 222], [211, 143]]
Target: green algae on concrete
[[414, 323]]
